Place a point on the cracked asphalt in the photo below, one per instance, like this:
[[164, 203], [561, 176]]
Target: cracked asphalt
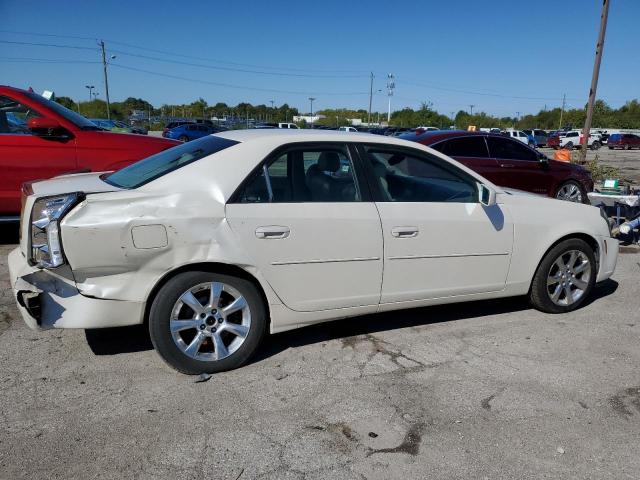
[[481, 390]]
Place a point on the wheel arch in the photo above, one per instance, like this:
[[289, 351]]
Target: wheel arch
[[591, 241], [212, 267]]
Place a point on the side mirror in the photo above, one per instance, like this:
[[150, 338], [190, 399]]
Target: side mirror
[[487, 196], [46, 127]]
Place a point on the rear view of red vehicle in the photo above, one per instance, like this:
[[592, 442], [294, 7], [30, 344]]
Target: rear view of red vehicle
[[41, 139], [625, 141]]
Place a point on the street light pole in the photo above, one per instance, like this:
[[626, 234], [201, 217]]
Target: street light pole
[[471, 108], [391, 84], [311, 99], [90, 87], [594, 79]]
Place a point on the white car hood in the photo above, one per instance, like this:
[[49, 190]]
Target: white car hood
[[80, 182]]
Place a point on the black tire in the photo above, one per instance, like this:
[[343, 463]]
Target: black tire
[[160, 316], [595, 145], [539, 295], [583, 193], [569, 145], [183, 138], [610, 148]]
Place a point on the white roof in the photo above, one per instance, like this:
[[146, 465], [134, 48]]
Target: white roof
[[308, 135]]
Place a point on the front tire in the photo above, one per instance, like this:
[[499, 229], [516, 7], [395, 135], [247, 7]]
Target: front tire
[[183, 138], [595, 145], [204, 322], [569, 145], [565, 277]]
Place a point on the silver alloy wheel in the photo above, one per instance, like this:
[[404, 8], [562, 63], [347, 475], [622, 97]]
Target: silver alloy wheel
[[568, 277], [210, 321], [570, 192]]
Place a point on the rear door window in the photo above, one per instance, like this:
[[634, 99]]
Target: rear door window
[[472, 146]]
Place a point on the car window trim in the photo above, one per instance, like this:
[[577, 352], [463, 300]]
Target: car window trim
[[365, 193], [375, 186]]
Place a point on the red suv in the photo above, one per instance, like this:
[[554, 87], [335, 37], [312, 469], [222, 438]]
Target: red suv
[[623, 140], [41, 139], [510, 163]]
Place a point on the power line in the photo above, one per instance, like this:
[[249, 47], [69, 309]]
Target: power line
[[231, 69], [43, 60], [181, 55], [228, 85], [33, 44]]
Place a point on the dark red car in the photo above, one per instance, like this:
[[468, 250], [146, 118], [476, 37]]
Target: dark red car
[[626, 141], [510, 163], [41, 139]]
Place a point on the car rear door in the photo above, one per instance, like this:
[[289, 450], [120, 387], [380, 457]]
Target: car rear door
[[311, 227], [439, 241], [520, 166], [471, 151], [24, 156]]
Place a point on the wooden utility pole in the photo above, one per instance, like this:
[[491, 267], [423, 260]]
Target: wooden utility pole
[[106, 81], [370, 100], [594, 80]]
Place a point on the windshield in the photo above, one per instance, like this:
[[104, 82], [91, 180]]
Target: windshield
[[73, 117], [160, 164]]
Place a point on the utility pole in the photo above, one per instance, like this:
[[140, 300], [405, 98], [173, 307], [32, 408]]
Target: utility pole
[[564, 98], [106, 81], [517, 118], [370, 100], [311, 99], [471, 109], [391, 84], [594, 79]]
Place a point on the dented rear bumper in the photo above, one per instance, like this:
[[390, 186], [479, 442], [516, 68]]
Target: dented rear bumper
[[50, 299]]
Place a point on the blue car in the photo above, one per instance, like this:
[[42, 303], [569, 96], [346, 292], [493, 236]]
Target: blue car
[[191, 131]]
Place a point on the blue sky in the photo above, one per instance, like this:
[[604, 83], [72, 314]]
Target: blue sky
[[501, 56]]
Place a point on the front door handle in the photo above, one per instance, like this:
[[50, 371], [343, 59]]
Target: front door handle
[[272, 232], [404, 232], [507, 165]]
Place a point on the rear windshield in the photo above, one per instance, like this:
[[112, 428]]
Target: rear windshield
[[158, 165]]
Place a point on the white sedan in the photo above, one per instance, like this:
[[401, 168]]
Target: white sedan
[[216, 241]]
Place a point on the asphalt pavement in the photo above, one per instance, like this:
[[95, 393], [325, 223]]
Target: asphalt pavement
[[490, 390]]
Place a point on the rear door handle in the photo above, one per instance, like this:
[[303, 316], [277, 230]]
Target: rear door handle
[[272, 232], [404, 232]]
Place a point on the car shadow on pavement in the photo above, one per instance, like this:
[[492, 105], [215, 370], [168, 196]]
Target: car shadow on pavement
[[119, 340], [380, 322]]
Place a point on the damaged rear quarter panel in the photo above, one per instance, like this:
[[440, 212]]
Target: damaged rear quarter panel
[[98, 243]]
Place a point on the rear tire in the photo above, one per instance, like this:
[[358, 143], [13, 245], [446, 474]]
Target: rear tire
[[565, 277], [183, 138], [610, 148], [595, 145], [569, 145], [204, 322]]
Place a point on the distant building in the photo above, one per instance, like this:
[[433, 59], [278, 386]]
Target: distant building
[[308, 118]]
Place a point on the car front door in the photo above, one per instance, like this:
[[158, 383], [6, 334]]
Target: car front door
[[439, 241], [308, 220], [520, 166], [24, 156]]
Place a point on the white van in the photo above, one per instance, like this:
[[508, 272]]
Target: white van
[[287, 125]]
